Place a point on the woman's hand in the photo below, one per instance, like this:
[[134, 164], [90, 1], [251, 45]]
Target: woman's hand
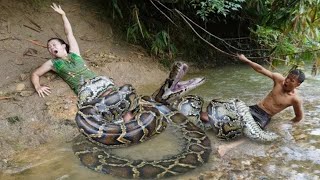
[[58, 9], [43, 90]]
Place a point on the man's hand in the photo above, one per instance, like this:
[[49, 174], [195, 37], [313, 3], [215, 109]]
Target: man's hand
[[43, 90], [58, 9], [242, 58], [295, 120]]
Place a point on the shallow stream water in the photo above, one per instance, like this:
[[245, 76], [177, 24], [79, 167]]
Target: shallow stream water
[[295, 156]]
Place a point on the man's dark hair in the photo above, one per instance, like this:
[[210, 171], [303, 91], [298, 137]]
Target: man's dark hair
[[61, 41], [299, 73]]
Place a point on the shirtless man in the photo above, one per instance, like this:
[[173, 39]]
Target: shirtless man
[[282, 95]]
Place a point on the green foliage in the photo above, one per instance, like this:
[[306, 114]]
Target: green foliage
[[14, 119], [279, 44], [283, 48], [166, 62], [290, 28], [137, 32], [162, 46], [159, 44], [116, 9], [207, 7], [267, 36], [132, 33]]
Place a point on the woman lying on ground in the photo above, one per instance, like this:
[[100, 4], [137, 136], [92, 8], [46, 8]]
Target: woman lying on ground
[[70, 66]]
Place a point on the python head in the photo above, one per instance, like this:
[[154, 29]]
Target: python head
[[173, 88]]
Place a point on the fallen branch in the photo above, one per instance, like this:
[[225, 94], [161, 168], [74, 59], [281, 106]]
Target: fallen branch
[[9, 38], [5, 97], [34, 23], [36, 56], [35, 42], [30, 51], [32, 28], [5, 38]]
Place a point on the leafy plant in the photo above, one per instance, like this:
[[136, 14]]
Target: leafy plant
[[267, 36], [14, 119], [162, 46], [132, 33], [137, 31], [207, 7], [166, 62], [116, 8]]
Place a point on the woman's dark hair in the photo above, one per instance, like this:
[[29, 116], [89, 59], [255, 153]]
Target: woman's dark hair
[[61, 41], [299, 73]]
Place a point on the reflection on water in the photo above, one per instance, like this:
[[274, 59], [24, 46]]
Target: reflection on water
[[296, 156], [167, 144]]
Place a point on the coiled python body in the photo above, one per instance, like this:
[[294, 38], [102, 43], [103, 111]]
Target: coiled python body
[[101, 122], [195, 152], [229, 118]]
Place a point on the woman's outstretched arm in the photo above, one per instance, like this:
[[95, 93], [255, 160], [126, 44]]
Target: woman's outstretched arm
[[74, 47]]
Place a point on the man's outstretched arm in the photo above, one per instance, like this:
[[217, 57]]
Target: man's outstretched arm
[[257, 67]]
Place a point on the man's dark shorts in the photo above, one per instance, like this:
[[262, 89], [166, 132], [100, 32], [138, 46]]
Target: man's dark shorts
[[260, 116]]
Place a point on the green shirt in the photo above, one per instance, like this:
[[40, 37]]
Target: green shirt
[[72, 69]]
